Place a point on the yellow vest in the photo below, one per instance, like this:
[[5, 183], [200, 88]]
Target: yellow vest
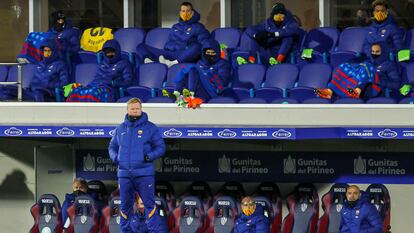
[[94, 38]]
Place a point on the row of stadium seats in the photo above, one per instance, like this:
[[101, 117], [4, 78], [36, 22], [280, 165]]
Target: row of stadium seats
[[191, 215], [329, 44], [252, 83]]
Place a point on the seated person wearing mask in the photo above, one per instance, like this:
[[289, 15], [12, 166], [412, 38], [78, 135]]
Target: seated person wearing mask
[[207, 79], [358, 214], [252, 220], [79, 187]]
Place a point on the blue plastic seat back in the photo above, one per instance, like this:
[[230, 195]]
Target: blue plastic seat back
[[129, 38], [315, 75], [352, 39], [152, 75], [85, 73], [282, 76], [323, 39], [228, 36], [249, 76], [157, 37]]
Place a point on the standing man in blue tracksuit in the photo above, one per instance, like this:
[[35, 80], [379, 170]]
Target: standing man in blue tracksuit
[[275, 36], [252, 220], [184, 42], [136, 143], [383, 30], [358, 214]]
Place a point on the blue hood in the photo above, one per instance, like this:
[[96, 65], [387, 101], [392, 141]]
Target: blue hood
[[50, 43], [210, 44], [271, 23], [194, 19], [115, 45]]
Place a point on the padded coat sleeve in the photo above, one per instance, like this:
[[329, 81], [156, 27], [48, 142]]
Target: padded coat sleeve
[[157, 145], [114, 147]]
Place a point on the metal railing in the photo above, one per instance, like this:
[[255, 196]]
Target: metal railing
[[19, 79]]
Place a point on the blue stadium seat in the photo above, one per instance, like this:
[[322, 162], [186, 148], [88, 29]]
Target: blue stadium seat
[[349, 101], [303, 206], [10, 91], [380, 197], [407, 100], [47, 214], [85, 57], [247, 78], [85, 73], [323, 41], [83, 215], [160, 99], [351, 42], [222, 215], [150, 78], [111, 216], [311, 77], [3, 73], [228, 36], [381, 100], [129, 39], [157, 37], [271, 191], [332, 203], [173, 71], [279, 80]]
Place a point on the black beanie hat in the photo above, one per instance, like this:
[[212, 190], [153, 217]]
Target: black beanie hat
[[278, 8], [59, 15]]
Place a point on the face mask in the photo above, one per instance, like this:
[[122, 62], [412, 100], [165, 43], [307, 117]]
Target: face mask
[[133, 118], [59, 27], [380, 16], [110, 55], [186, 16], [209, 58], [352, 203], [375, 56], [248, 210], [47, 54], [278, 18], [78, 192]]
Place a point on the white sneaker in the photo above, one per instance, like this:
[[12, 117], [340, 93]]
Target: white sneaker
[[147, 60]]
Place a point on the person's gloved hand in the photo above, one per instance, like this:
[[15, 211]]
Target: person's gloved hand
[[404, 90], [261, 38]]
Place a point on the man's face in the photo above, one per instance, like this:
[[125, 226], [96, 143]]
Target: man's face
[[186, 12], [77, 186], [47, 52], [248, 206], [134, 109], [352, 194], [376, 50], [60, 21], [380, 8]]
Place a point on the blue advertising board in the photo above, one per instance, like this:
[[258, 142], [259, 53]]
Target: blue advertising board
[[323, 167]]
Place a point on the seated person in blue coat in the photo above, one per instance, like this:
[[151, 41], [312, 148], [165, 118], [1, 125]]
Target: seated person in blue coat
[[207, 79], [51, 73], [79, 187], [184, 42], [383, 29], [365, 78], [113, 73], [275, 37], [358, 214], [252, 219], [69, 37]]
